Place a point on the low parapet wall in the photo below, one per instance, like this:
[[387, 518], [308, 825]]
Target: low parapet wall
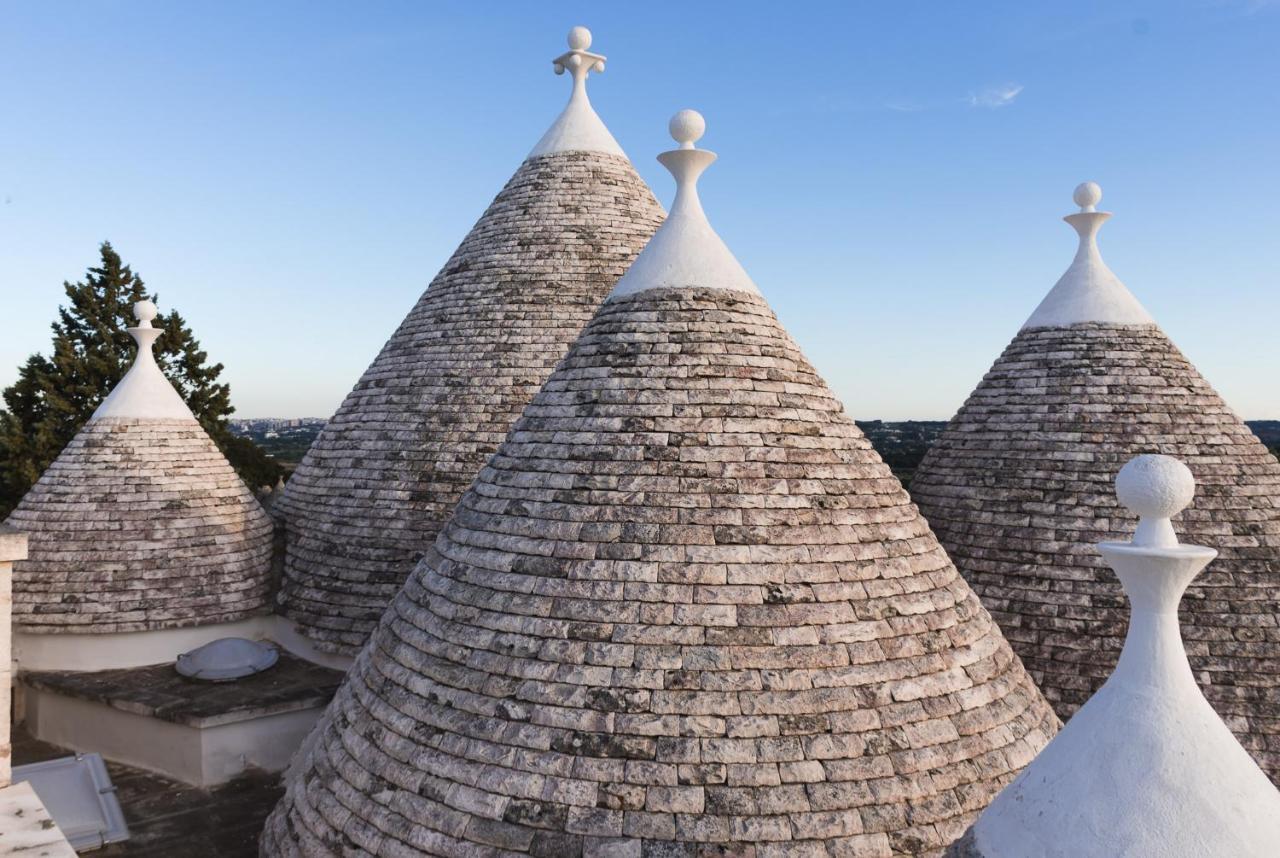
[[13, 546], [39, 652]]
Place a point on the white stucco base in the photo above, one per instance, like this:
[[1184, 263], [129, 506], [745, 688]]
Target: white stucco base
[[202, 756], [139, 649]]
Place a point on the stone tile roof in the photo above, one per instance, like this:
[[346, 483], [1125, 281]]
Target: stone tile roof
[[140, 524], [158, 691], [375, 488], [684, 607], [1020, 487]]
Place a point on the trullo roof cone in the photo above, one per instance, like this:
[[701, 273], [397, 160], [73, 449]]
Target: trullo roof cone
[[140, 524], [374, 489], [1146, 768], [685, 609], [1018, 490]]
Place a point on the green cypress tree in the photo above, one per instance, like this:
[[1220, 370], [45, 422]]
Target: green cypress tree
[[54, 396]]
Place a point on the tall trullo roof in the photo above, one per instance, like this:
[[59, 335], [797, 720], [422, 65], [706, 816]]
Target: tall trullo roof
[[1018, 491], [378, 483], [684, 610], [140, 523], [1146, 768]]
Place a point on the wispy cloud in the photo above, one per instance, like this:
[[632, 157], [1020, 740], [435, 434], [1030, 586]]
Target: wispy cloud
[[1247, 7], [905, 106], [993, 97]]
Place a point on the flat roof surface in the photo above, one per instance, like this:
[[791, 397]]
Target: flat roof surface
[[168, 818], [159, 691]]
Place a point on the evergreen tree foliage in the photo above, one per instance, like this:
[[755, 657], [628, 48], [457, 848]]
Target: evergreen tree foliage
[[54, 396]]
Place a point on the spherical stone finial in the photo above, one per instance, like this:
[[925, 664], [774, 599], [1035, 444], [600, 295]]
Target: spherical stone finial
[[579, 39], [144, 311], [687, 127], [1087, 195], [1155, 486]]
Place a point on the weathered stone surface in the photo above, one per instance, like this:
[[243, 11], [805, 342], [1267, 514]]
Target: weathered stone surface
[[1020, 488], [159, 691], [750, 643], [140, 524], [374, 489]]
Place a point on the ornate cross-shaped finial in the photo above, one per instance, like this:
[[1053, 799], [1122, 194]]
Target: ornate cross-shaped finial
[[578, 128], [578, 60]]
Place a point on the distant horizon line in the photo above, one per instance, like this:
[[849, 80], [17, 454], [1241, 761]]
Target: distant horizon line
[[856, 419]]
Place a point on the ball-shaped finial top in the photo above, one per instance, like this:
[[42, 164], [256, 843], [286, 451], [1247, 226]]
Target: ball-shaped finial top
[[579, 39], [144, 311], [1155, 486], [687, 127], [1087, 195]]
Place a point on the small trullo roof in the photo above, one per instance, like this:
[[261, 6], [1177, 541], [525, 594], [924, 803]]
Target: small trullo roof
[[684, 609], [1146, 768], [140, 523], [1018, 489], [384, 474]]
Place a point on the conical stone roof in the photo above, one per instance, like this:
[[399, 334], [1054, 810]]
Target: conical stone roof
[[140, 523], [684, 610], [1018, 489], [384, 474]]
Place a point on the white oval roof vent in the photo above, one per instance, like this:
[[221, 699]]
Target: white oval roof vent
[[226, 659]]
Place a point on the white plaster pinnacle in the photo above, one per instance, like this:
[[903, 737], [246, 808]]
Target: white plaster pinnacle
[[144, 392], [1146, 768], [685, 252], [1156, 488], [578, 128], [1088, 291]]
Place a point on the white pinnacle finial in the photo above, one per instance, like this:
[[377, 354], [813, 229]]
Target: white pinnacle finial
[[1088, 291], [144, 392], [685, 252], [144, 311], [687, 128], [1087, 195], [1146, 767], [578, 128], [1156, 488]]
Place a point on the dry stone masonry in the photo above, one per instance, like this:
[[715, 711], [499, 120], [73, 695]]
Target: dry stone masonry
[[375, 488], [1018, 490], [140, 523], [684, 610]]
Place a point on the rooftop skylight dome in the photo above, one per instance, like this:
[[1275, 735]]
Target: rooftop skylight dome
[[140, 524], [1018, 490], [1146, 768], [685, 609], [374, 489]]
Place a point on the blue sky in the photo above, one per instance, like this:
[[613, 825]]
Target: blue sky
[[291, 175]]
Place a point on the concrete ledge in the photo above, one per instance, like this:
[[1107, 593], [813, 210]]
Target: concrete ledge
[[13, 544], [26, 829]]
